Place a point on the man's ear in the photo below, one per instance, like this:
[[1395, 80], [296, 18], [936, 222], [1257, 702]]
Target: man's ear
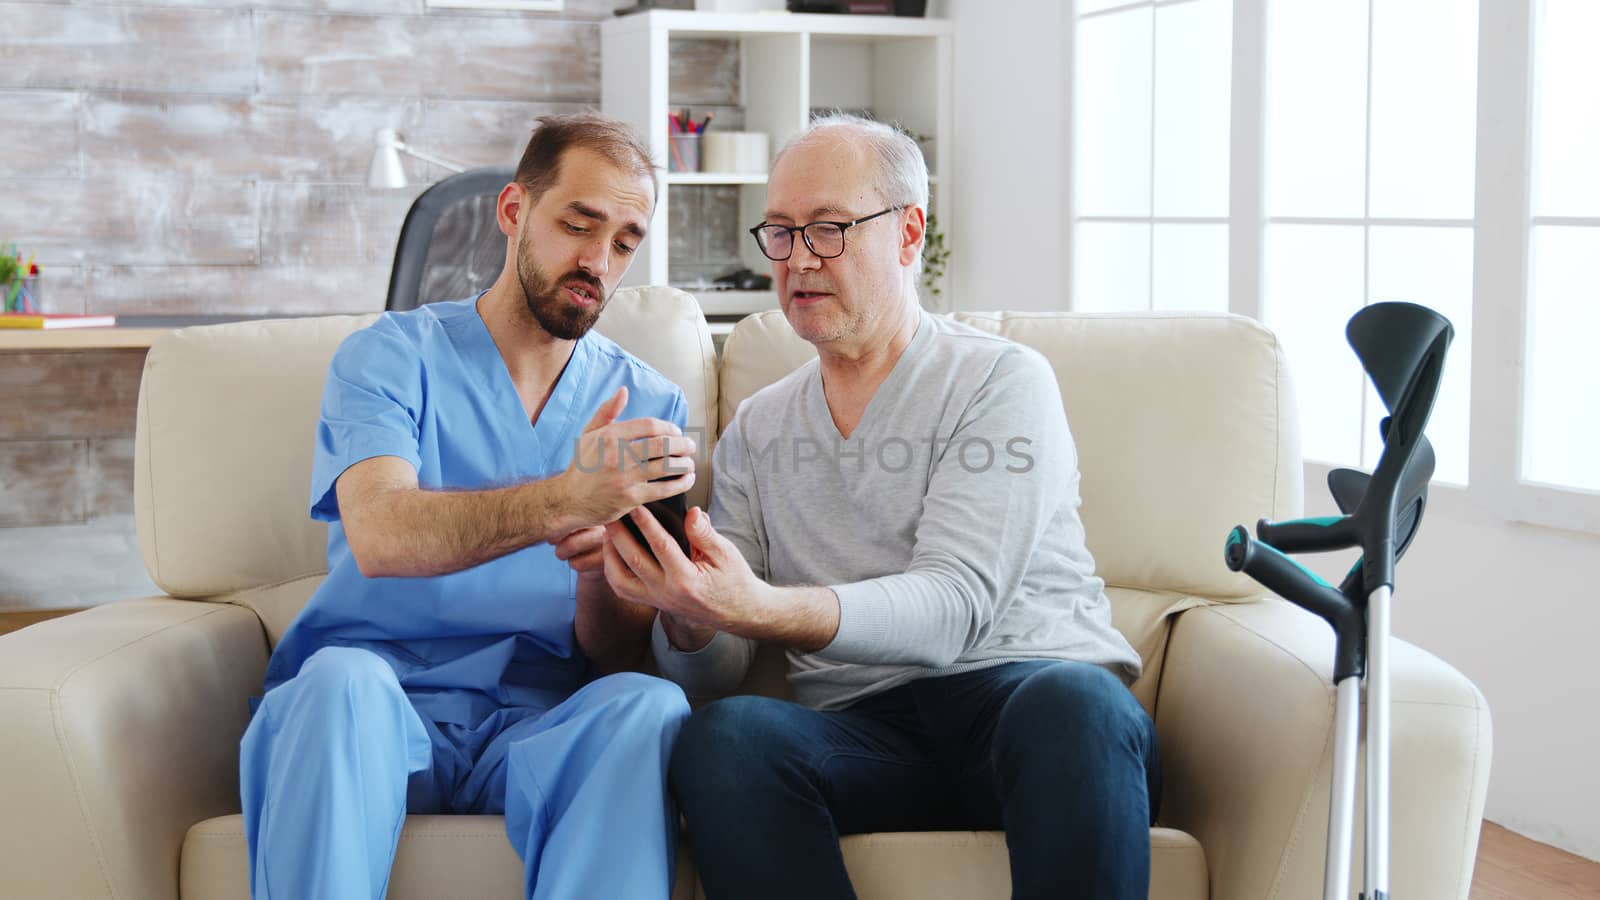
[[510, 207], [913, 229]]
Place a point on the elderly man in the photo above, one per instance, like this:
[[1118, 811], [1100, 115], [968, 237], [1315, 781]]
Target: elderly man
[[465, 654], [902, 515]]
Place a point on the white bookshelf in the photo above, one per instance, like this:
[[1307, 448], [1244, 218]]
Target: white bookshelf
[[789, 64], [714, 178]]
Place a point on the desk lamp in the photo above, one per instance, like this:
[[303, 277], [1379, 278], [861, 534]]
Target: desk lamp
[[385, 170]]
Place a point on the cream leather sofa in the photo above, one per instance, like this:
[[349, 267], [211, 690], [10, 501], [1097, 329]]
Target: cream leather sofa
[[121, 724]]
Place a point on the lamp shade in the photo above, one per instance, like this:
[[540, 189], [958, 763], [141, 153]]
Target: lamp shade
[[385, 170]]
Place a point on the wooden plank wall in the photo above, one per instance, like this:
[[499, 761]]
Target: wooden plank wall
[[210, 157], [66, 435]]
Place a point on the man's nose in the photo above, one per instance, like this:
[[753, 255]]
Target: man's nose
[[594, 258], [801, 258]]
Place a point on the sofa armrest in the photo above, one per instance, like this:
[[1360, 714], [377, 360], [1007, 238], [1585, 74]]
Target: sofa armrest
[[1245, 716], [121, 730]]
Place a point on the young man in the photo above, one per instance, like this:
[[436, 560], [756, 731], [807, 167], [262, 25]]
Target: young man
[[448, 662], [903, 515]]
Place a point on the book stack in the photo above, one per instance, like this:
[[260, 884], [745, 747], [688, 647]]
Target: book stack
[[54, 320]]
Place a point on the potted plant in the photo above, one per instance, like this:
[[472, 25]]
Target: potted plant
[[935, 255]]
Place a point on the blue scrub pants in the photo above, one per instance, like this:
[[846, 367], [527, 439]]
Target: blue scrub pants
[[1059, 754], [336, 756]]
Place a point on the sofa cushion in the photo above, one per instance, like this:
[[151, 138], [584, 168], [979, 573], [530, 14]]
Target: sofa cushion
[[276, 604], [228, 414], [469, 856], [222, 453], [1145, 619]]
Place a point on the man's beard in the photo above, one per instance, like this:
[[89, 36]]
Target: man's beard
[[560, 317]]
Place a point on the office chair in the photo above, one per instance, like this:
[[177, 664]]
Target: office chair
[[450, 246]]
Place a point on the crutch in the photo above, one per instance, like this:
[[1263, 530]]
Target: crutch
[[1402, 347]]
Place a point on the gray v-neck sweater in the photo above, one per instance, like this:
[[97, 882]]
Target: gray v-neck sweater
[[947, 523]]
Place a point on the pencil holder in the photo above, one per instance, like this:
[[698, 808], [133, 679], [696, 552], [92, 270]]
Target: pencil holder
[[683, 153], [21, 295]]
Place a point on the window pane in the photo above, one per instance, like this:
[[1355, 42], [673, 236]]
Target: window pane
[[1312, 288], [1561, 433], [1111, 134], [1111, 267], [1191, 267], [1566, 136], [1567, 109], [1089, 6], [1424, 107], [1316, 108], [1194, 46], [1431, 267]]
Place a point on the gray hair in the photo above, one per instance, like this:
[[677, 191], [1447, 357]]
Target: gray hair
[[900, 175]]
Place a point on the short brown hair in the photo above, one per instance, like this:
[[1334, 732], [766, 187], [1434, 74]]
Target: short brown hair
[[540, 167]]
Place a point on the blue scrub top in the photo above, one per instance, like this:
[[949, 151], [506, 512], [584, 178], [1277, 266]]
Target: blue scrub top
[[429, 386]]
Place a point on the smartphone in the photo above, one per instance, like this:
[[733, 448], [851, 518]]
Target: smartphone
[[670, 513]]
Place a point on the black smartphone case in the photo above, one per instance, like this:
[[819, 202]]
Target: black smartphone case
[[670, 513]]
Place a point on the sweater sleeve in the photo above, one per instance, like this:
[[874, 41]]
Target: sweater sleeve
[[718, 668], [997, 483]]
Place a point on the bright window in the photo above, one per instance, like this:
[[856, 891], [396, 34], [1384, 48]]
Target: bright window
[[1561, 428], [1370, 130], [1382, 158], [1150, 140]]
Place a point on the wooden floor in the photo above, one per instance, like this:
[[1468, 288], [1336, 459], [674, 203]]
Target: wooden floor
[[11, 621], [1510, 866]]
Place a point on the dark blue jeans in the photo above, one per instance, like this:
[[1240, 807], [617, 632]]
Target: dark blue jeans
[[1058, 754]]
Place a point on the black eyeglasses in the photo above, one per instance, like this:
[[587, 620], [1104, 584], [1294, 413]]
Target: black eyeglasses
[[825, 239]]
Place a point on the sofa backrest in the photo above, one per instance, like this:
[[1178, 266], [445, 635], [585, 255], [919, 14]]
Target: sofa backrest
[[227, 419], [1185, 425]]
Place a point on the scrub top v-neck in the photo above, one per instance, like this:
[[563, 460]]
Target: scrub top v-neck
[[429, 386]]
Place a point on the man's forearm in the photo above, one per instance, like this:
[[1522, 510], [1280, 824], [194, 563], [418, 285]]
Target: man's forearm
[[415, 533], [805, 618], [612, 632], [686, 635]]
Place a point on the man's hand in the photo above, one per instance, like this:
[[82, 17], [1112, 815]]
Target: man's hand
[[712, 588], [615, 465], [584, 551]]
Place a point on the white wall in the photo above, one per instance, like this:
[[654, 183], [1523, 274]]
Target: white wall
[[1514, 607], [1010, 163]]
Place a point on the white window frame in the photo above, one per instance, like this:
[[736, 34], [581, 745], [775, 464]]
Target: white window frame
[[1502, 227], [1150, 220], [1500, 271]]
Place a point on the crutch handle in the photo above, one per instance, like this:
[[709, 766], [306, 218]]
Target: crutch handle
[[1304, 588], [1309, 535]]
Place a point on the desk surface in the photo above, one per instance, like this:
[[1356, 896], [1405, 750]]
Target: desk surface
[[130, 331], [138, 332]]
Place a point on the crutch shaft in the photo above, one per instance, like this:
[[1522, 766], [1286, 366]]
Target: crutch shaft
[[1378, 706], [1342, 795]]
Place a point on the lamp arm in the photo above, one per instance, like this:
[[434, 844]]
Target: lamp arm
[[428, 157]]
